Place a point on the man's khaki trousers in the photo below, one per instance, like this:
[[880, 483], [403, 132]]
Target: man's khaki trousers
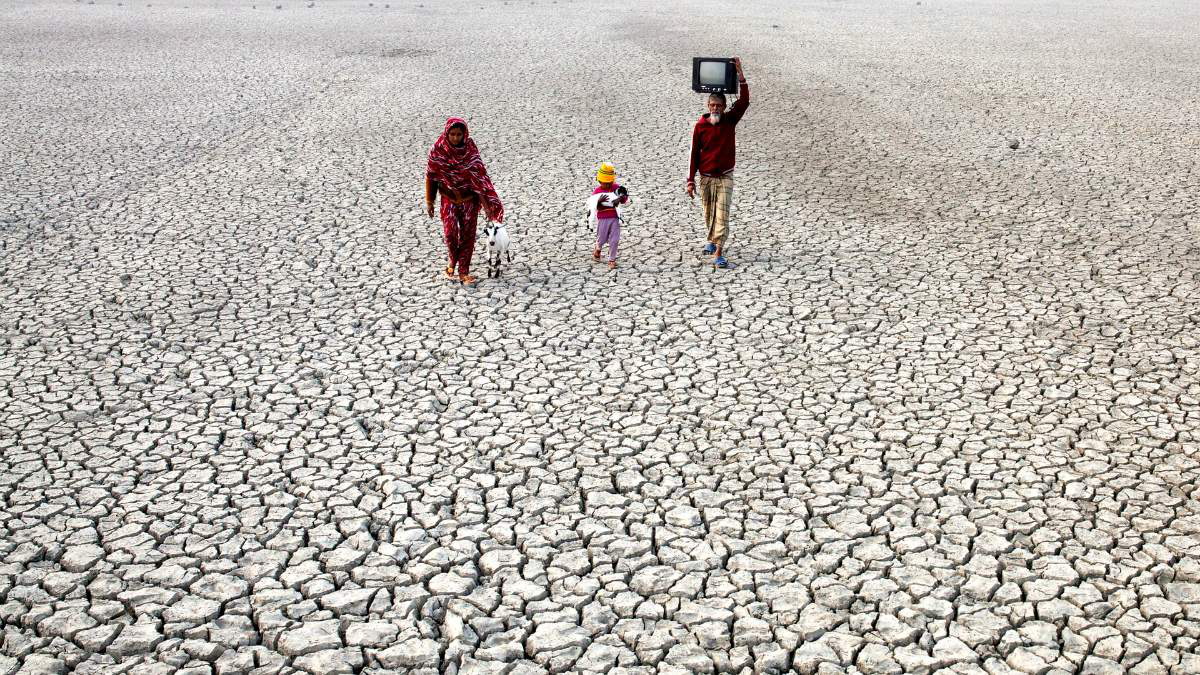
[[716, 193]]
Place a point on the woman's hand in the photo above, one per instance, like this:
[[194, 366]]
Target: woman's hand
[[429, 208]]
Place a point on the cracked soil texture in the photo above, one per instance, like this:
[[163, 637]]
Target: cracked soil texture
[[944, 413]]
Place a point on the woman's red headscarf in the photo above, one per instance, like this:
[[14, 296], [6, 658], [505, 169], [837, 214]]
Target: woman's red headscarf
[[461, 169]]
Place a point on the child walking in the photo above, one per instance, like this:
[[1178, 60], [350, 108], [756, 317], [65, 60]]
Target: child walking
[[608, 222]]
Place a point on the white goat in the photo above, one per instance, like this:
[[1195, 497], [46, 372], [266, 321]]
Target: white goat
[[605, 200], [497, 247]]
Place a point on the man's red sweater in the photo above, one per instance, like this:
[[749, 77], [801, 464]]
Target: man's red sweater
[[713, 147]]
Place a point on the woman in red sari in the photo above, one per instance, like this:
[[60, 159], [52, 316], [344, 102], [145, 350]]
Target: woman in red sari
[[456, 172]]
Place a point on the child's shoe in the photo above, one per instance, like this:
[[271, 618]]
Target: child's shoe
[[612, 264], [596, 255]]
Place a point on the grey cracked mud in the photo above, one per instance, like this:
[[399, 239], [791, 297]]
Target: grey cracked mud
[[942, 416]]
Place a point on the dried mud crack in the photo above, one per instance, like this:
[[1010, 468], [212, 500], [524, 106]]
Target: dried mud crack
[[943, 415]]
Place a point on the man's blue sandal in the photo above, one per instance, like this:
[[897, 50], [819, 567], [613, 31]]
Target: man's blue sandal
[[710, 248], [720, 262]]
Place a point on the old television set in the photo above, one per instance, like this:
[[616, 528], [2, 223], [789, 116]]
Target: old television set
[[714, 76]]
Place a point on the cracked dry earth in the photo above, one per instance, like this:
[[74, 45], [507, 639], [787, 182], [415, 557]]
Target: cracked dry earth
[[943, 415]]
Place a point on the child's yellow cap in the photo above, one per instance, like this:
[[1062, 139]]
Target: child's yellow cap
[[607, 173]]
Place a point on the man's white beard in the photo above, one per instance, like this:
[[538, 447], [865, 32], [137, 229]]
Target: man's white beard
[[714, 118]]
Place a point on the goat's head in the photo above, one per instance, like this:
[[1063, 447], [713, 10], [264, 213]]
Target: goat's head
[[491, 231]]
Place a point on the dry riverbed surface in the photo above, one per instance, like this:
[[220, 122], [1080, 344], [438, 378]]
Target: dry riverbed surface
[[943, 413]]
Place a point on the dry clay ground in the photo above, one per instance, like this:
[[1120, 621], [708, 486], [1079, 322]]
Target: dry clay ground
[[943, 413]]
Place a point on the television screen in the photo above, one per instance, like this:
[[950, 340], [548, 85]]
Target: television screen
[[714, 75]]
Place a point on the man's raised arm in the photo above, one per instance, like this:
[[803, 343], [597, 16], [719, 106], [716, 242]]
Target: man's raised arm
[[739, 106]]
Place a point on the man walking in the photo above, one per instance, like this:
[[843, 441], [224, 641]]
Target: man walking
[[713, 154]]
